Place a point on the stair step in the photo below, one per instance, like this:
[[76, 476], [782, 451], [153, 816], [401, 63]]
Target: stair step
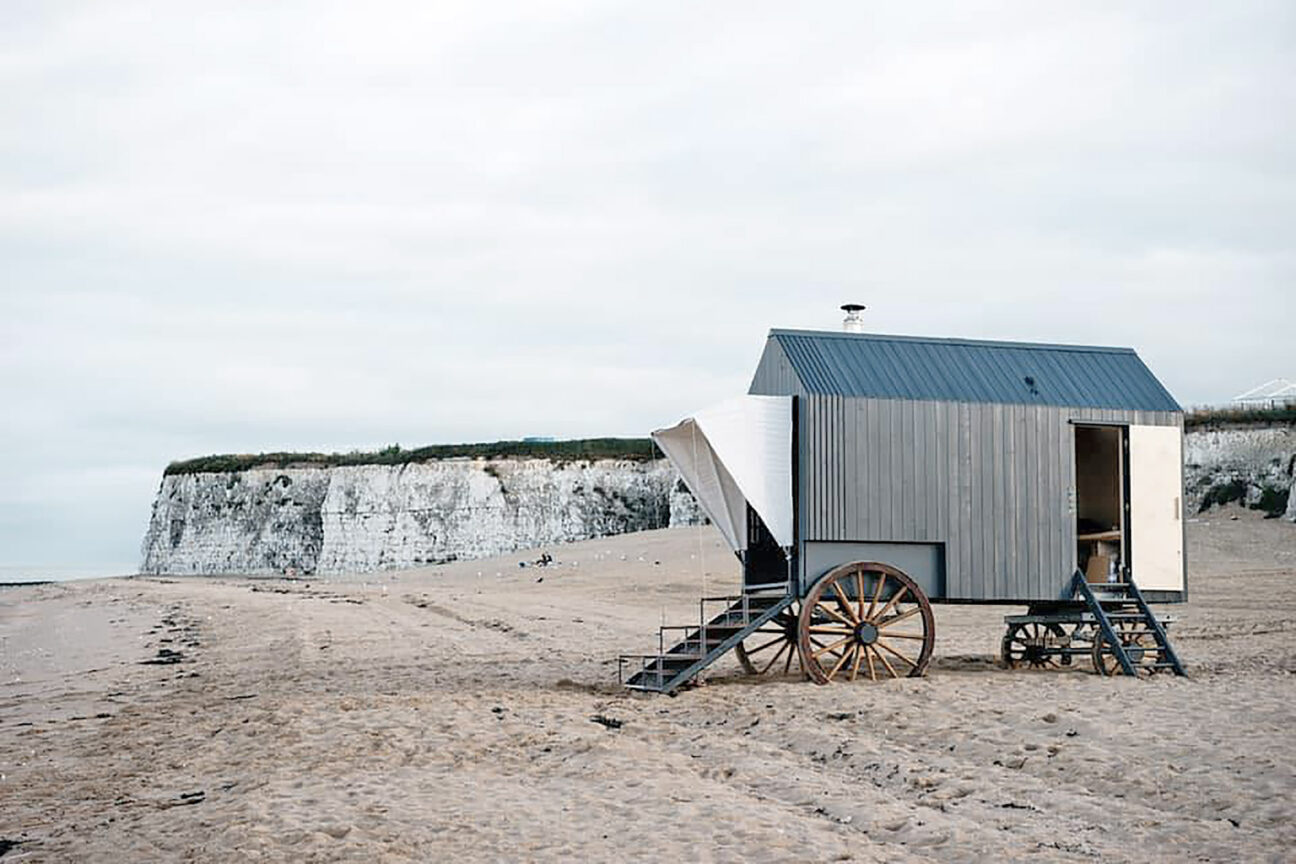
[[1130, 609], [700, 645], [669, 669]]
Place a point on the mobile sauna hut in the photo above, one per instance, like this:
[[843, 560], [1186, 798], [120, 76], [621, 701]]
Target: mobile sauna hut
[[865, 477]]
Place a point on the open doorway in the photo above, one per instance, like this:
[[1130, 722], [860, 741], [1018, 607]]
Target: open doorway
[[1101, 532], [765, 563]]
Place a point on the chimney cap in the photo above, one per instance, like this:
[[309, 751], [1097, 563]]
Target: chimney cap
[[853, 323]]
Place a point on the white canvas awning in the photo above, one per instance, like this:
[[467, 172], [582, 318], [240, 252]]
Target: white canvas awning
[[734, 454]]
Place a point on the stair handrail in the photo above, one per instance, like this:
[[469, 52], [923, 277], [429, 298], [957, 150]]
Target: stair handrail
[[1080, 585], [658, 671], [1158, 629]]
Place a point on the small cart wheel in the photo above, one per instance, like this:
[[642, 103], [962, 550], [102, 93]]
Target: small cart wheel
[[1140, 646], [865, 617], [773, 647], [1035, 646]]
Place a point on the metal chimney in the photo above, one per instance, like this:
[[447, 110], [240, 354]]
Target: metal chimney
[[854, 323]]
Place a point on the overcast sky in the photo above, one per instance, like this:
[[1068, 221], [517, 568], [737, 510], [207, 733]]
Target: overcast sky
[[226, 227]]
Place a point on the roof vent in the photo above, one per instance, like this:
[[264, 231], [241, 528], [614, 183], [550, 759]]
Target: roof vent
[[853, 323]]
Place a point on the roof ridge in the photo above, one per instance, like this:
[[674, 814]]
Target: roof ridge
[[953, 340]]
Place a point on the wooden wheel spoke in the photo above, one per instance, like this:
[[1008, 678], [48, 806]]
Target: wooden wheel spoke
[[831, 628], [843, 603], [868, 653], [832, 647], [841, 660], [877, 595], [859, 656], [918, 636], [896, 619], [886, 647], [859, 600], [885, 661], [820, 606], [769, 644], [890, 604], [775, 658], [791, 655], [763, 649]]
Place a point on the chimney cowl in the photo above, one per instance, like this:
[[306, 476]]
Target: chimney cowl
[[854, 322]]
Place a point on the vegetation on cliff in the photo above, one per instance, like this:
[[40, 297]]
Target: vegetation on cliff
[[633, 449], [1220, 418]]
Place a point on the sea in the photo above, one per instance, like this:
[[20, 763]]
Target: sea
[[15, 574]]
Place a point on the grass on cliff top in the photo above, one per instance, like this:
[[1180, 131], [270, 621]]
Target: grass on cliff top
[[635, 449], [1212, 418]]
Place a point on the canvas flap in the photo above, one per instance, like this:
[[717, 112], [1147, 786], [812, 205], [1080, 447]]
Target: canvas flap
[[737, 453]]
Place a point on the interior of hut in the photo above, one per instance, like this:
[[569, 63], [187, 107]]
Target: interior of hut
[[1100, 496]]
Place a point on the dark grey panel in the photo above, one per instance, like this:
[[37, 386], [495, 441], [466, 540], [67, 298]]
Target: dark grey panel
[[1165, 596], [922, 562]]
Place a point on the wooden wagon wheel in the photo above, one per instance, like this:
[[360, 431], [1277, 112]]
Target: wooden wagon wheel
[[1140, 646], [1032, 645], [865, 618], [773, 645]]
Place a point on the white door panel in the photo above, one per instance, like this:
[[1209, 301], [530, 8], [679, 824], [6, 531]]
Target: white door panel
[[1156, 517]]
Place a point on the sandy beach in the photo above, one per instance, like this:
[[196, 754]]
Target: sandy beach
[[446, 714]]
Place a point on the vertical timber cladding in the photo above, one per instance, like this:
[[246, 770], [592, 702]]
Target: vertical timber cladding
[[990, 481]]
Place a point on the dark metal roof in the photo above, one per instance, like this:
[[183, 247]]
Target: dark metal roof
[[965, 370]]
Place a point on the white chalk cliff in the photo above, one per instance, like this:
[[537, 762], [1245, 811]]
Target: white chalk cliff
[[372, 517], [1253, 466]]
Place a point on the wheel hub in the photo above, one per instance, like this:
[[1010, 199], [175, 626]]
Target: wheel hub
[[866, 633], [1036, 654]]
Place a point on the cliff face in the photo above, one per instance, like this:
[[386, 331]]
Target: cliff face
[[1253, 466], [321, 520]]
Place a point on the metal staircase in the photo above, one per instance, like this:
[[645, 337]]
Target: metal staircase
[[1125, 621], [702, 644]]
